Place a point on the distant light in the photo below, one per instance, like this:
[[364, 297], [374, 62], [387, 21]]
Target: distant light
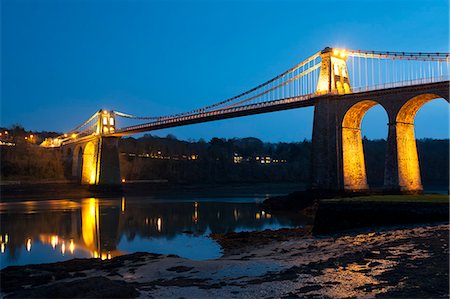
[[31, 136], [159, 224], [74, 135], [6, 238], [26, 138], [6, 133], [63, 248], [3, 247], [54, 241], [123, 180], [71, 247], [28, 244], [65, 135]]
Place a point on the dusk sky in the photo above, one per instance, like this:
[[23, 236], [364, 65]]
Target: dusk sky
[[63, 60]]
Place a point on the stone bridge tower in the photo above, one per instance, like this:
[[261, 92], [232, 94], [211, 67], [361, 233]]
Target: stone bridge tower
[[94, 159]]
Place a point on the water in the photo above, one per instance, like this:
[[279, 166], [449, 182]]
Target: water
[[35, 232]]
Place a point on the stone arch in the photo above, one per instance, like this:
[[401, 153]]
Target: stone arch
[[408, 111], [77, 162], [89, 164], [353, 162], [409, 178]]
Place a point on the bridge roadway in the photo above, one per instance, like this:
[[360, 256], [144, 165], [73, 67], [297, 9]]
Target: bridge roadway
[[275, 105]]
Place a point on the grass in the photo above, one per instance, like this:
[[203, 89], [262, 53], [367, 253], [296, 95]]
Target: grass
[[432, 198]]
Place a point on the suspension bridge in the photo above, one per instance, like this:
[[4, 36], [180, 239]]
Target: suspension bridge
[[341, 84]]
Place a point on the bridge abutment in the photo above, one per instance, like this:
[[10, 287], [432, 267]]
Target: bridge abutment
[[109, 168], [326, 145]]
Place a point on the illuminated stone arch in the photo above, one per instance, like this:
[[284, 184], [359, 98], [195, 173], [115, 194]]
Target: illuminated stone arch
[[409, 178], [353, 162], [89, 164]]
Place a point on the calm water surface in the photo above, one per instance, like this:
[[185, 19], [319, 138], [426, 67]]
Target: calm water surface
[[35, 232]]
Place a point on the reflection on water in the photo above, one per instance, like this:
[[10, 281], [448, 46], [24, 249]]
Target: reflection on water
[[57, 230]]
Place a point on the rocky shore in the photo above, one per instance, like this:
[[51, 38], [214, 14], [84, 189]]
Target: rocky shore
[[407, 262]]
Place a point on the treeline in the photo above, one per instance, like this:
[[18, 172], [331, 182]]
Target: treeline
[[216, 160]]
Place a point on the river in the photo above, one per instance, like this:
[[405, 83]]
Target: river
[[46, 231]]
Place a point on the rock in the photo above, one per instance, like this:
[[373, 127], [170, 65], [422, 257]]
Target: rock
[[94, 287]]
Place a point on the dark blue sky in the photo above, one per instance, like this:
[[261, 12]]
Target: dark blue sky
[[63, 60]]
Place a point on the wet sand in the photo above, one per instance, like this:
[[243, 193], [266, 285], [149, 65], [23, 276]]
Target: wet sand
[[410, 262]]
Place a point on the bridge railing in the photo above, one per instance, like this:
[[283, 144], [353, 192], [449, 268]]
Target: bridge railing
[[401, 83], [370, 70]]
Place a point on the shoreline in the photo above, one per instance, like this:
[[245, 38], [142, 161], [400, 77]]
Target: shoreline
[[49, 190], [73, 190]]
